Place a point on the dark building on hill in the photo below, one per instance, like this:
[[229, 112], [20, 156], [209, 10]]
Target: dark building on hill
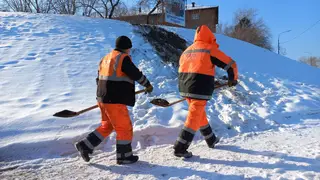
[[194, 17]]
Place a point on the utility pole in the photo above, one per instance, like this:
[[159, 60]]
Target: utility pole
[[279, 39]]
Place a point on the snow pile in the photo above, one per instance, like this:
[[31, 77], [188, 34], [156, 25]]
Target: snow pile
[[48, 63]]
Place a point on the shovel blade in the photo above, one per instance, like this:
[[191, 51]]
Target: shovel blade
[[66, 114], [160, 102]]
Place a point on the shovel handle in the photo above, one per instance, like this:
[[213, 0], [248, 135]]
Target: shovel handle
[[180, 100], [176, 102], [140, 91], [87, 109], [95, 106], [220, 86]]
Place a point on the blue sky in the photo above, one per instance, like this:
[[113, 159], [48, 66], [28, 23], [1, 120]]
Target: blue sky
[[280, 15]]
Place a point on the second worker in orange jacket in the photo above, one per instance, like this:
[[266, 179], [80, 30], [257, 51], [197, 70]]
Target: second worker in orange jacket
[[196, 83]]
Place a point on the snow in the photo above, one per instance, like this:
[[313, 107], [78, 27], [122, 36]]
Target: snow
[[269, 122], [287, 154]]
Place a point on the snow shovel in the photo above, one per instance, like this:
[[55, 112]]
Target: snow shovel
[[68, 113], [165, 103]]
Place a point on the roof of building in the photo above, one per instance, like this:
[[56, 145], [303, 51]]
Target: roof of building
[[196, 7]]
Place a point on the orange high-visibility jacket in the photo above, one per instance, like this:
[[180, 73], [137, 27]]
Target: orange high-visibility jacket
[[197, 65], [116, 77]]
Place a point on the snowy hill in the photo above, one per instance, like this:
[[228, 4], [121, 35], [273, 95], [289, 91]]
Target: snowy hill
[[270, 122]]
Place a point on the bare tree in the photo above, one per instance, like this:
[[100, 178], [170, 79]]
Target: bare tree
[[40, 6], [121, 10], [150, 5], [312, 61], [247, 27], [113, 6], [134, 10], [33, 6], [18, 5], [221, 28], [64, 6], [87, 6], [91, 8], [103, 8], [3, 7], [99, 7]]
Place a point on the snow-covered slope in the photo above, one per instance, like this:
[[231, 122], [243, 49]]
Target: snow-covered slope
[[49, 63]]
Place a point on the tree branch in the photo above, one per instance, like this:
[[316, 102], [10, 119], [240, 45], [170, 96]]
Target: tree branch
[[152, 10], [90, 6], [113, 6]]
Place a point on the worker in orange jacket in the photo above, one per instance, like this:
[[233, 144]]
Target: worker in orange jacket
[[196, 83], [116, 91]]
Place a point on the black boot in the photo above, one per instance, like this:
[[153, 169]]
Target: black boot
[[84, 151], [183, 142], [86, 146], [124, 154], [128, 160], [216, 141], [180, 150], [209, 136]]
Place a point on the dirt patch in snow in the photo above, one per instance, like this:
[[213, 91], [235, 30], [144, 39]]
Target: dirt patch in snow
[[168, 45]]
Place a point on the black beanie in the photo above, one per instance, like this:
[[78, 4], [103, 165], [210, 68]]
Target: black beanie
[[123, 42]]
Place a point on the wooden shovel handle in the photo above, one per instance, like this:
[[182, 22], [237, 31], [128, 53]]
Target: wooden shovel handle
[[87, 109], [180, 100], [220, 86], [141, 91], [176, 102], [95, 106]]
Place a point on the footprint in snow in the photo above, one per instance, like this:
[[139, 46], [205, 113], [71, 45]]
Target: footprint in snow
[[51, 53], [25, 30], [31, 39], [75, 46], [32, 54], [45, 100], [5, 47], [56, 49], [29, 58], [11, 62], [40, 34]]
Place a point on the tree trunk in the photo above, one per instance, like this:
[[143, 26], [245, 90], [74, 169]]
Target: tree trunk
[[152, 10], [113, 6]]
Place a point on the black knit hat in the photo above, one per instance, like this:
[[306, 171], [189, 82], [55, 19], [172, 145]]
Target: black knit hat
[[123, 42]]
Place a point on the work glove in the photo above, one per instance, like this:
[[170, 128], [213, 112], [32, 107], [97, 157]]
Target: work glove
[[232, 83], [149, 88]]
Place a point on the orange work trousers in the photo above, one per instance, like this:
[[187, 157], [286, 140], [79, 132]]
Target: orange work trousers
[[115, 117], [197, 116]]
